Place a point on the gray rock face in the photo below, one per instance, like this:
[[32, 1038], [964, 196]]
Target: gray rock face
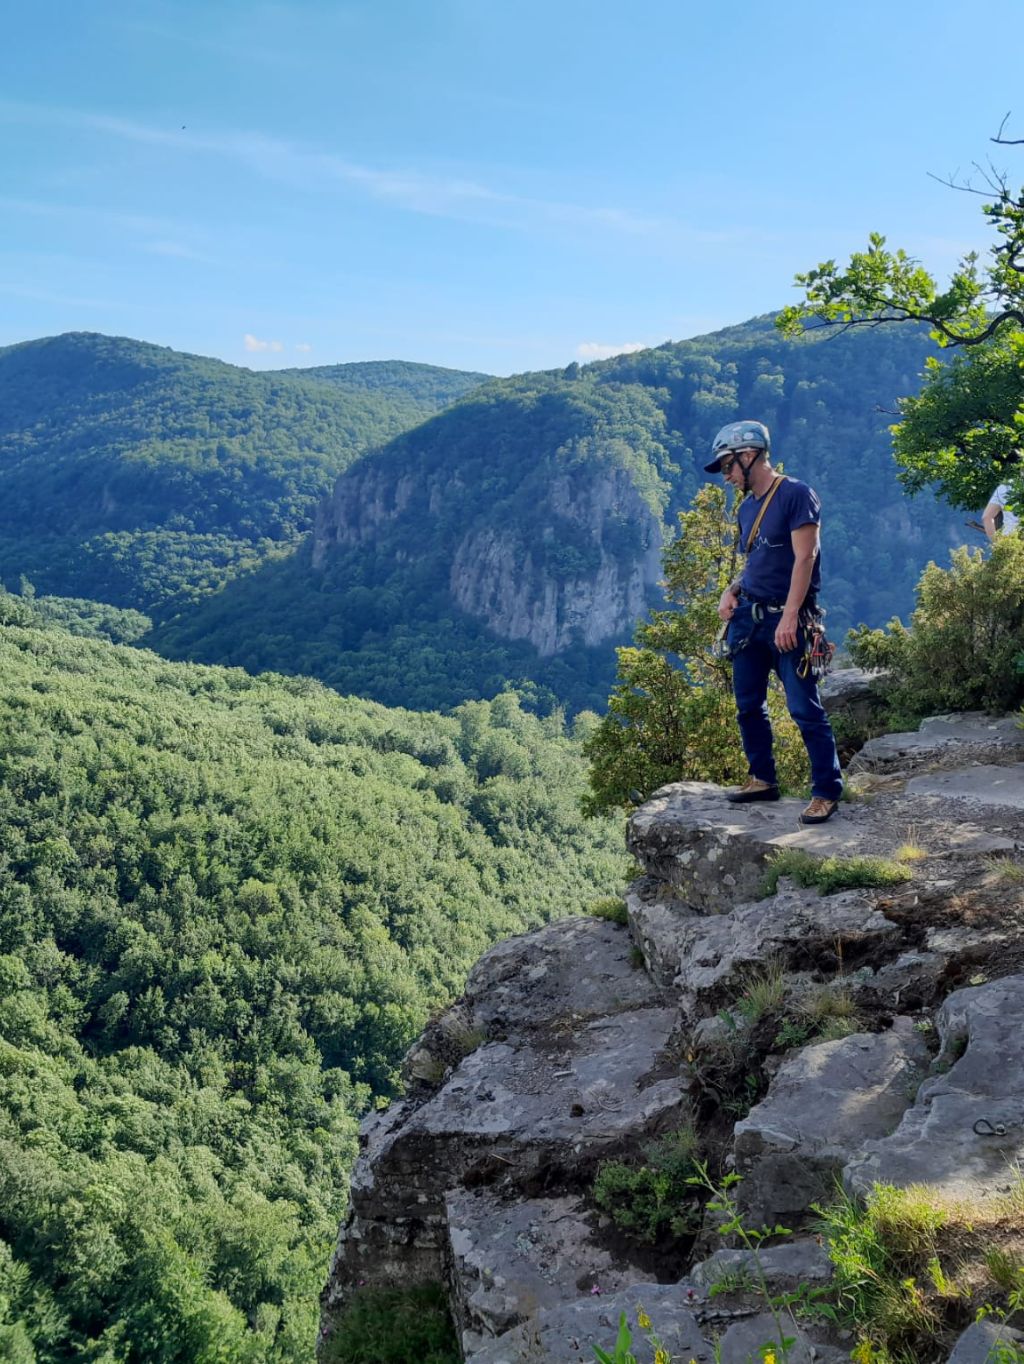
[[574, 968], [855, 692], [493, 573], [510, 1258], [543, 1107], [567, 1334], [784, 1266], [744, 1342], [979, 1343], [824, 1104], [984, 785], [962, 737], [795, 928], [937, 1142], [713, 854]]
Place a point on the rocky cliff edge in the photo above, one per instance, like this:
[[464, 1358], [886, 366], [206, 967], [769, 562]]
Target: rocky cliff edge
[[812, 1040]]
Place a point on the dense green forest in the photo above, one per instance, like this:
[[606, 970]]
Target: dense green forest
[[140, 476], [378, 619], [227, 904]]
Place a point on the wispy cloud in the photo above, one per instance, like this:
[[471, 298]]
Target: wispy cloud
[[414, 190], [178, 251], [600, 350], [303, 346], [255, 345]]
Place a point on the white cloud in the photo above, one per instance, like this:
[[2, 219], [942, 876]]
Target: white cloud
[[598, 350], [253, 343], [303, 346]]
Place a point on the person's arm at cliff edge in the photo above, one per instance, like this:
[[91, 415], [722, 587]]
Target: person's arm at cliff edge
[[988, 519], [805, 550]]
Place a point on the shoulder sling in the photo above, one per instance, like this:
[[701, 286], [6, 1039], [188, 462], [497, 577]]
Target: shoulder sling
[[779, 478]]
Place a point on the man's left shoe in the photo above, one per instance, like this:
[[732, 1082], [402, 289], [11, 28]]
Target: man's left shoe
[[819, 810]]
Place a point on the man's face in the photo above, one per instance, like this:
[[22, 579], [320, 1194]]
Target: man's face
[[733, 464]]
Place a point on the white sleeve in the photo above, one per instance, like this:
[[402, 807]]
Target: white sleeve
[[1000, 496]]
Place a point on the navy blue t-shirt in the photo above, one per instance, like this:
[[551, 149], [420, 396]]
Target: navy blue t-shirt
[[769, 565]]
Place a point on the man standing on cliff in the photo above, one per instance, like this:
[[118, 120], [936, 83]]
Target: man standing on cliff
[[779, 522]]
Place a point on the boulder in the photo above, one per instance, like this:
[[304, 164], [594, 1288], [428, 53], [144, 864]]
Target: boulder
[[854, 692], [797, 928], [966, 736], [510, 1258], [824, 1104], [577, 968], [713, 855], [784, 1267], [965, 1131], [979, 1343]]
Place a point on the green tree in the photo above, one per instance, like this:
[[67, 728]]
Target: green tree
[[965, 430], [671, 716]]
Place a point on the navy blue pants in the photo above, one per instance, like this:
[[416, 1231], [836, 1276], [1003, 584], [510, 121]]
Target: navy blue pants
[[752, 665]]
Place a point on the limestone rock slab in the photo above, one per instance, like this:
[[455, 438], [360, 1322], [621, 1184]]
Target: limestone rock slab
[[937, 1142], [825, 1103], [566, 1334], [796, 927], [978, 1343], [968, 734], [784, 1266], [509, 1259], [714, 854], [574, 968], [983, 784]]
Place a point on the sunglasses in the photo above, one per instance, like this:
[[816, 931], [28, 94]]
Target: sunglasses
[[726, 464]]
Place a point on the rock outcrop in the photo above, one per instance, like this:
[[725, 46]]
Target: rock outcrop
[[572, 575], [868, 1035]]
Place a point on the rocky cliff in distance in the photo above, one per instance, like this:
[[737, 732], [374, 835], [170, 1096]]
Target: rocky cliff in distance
[[568, 575], [587, 1041]]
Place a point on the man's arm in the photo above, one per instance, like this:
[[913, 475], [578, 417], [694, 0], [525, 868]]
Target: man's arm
[[988, 519], [805, 551]]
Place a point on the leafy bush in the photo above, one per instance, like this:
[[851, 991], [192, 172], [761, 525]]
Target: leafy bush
[[966, 636], [654, 1200]]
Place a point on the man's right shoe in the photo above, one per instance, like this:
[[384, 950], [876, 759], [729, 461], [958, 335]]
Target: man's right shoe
[[754, 790]]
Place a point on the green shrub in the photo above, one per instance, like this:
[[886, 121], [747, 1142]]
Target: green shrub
[[831, 874], [394, 1326], [966, 636], [653, 1201], [609, 908]]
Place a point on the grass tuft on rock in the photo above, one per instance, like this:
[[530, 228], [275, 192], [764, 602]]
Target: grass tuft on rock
[[610, 908], [831, 874]]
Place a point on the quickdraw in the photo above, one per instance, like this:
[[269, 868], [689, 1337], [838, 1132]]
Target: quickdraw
[[819, 651]]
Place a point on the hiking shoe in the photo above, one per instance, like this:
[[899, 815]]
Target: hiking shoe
[[819, 810], [755, 789]]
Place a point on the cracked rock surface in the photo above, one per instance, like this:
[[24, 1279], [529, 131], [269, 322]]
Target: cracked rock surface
[[585, 1041]]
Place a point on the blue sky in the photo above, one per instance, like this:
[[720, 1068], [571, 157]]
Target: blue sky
[[476, 183]]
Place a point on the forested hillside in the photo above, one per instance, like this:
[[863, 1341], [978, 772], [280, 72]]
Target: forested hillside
[[226, 906], [136, 475], [374, 611]]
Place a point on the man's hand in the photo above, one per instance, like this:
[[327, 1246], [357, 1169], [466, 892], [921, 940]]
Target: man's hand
[[787, 630], [727, 603]]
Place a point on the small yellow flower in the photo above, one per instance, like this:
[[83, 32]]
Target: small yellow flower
[[769, 1357], [662, 1356], [642, 1319]]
